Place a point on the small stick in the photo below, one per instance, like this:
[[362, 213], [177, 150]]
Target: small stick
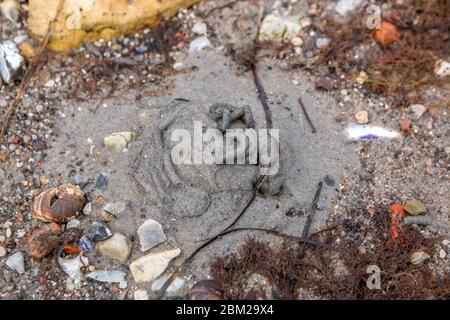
[[209, 241], [305, 113], [311, 215]]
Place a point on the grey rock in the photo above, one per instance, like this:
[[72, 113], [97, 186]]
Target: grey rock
[[150, 234], [16, 262], [98, 231], [101, 182], [115, 208]]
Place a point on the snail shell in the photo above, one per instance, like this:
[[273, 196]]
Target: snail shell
[[58, 204]]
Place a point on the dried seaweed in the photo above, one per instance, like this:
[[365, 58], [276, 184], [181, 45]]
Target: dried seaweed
[[403, 70], [316, 271]]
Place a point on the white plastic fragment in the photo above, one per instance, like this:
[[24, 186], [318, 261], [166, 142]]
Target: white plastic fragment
[[71, 267], [367, 132]]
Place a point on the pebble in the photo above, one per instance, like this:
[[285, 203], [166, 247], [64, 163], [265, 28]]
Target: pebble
[[297, 41], [150, 234], [2, 251], [345, 6], [418, 110], [118, 141], [305, 22], [445, 242], [8, 233], [21, 233], [322, 43], [39, 108], [200, 28], [87, 209], [172, 289], [442, 254], [117, 247], [278, 28], [115, 208], [105, 216], [151, 266], [442, 68], [178, 66], [362, 78], [405, 125], [50, 83], [16, 262], [98, 232], [101, 182], [362, 117], [3, 103], [199, 44], [77, 179], [109, 276], [44, 240], [141, 294], [415, 207], [74, 223], [418, 257], [324, 84]]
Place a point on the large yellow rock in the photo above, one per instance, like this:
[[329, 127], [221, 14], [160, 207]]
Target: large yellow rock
[[89, 20]]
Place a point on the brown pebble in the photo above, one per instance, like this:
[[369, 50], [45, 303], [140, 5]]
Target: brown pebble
[[324, 84], [43, 241], [405, 125]]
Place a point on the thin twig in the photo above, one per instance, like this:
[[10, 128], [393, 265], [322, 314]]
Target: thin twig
[[181, 267], [262, 95], [310, 218], [305, 113], [34, 66]]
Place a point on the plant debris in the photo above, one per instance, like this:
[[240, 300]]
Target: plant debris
[[289, 273], [400, 71]]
